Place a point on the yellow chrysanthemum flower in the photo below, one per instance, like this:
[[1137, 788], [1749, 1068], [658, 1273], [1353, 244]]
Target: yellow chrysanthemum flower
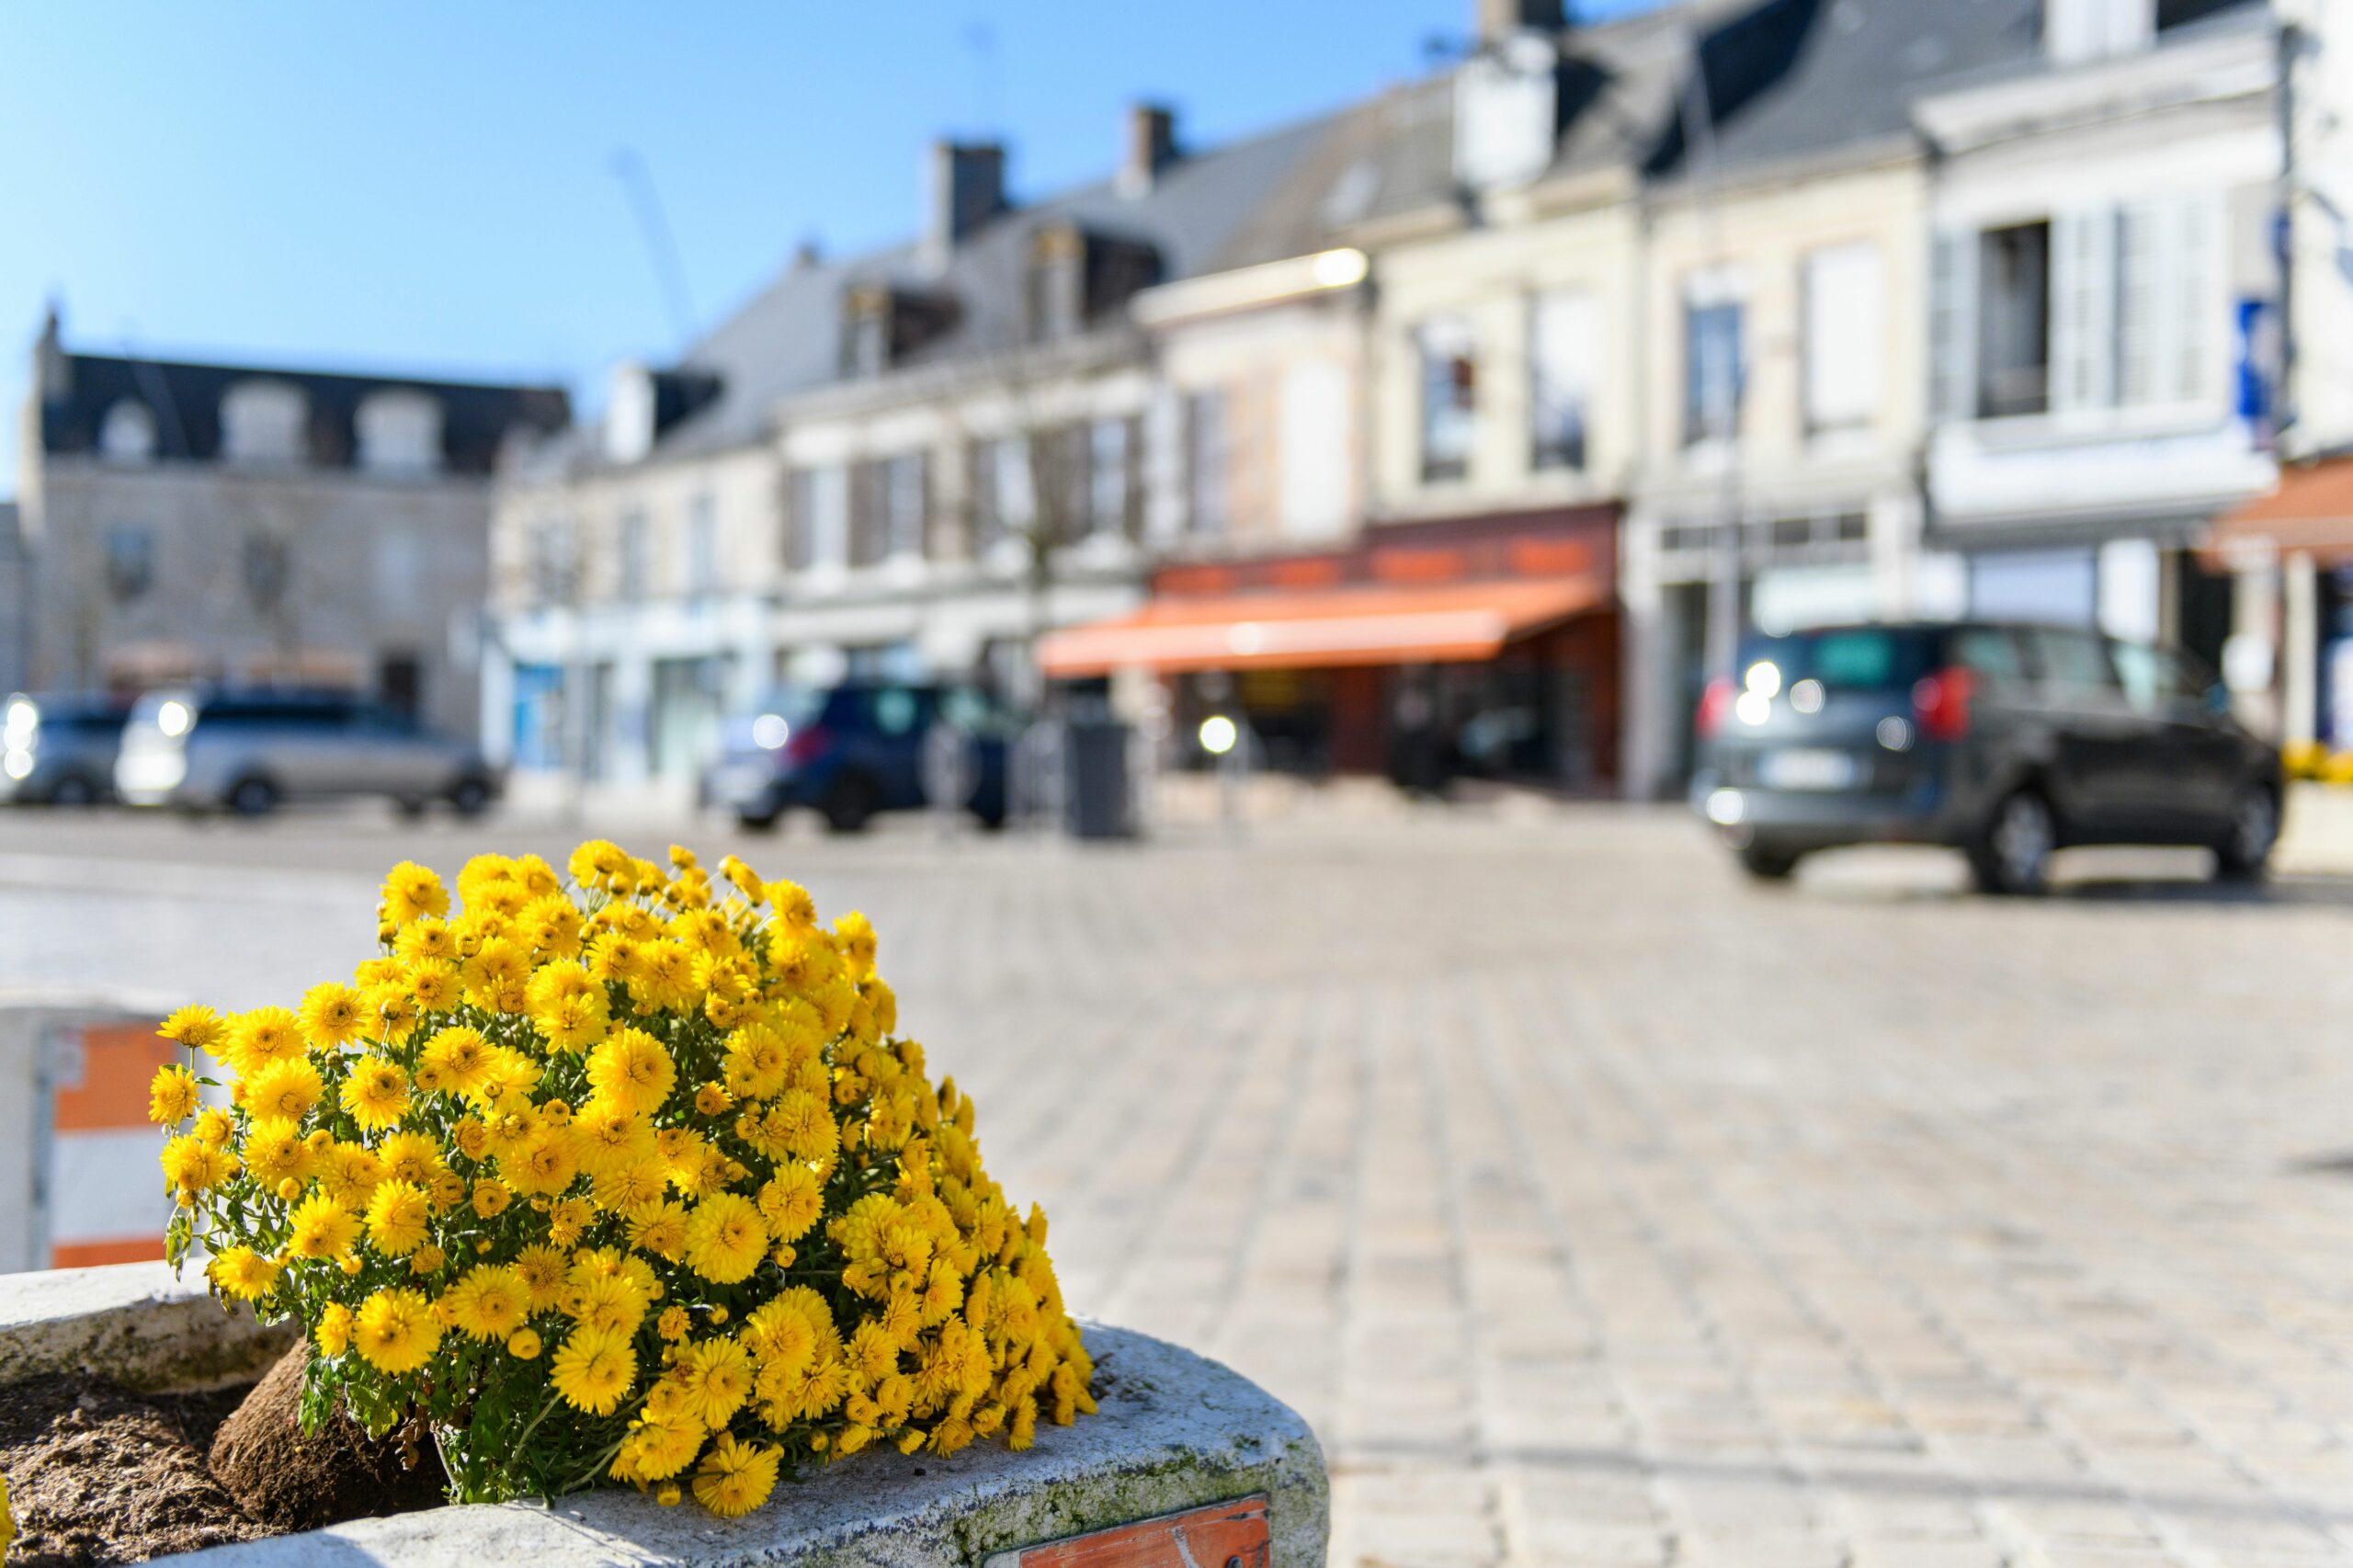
[[333, 1334], [715, 1376], [261, 1037], [323, 1228], [243, 1273], [631, 1069], [396, 1331], [274, 1150], [488, 1304], [199, 1028], [735, 1477], [331, 1014], [398, 1215], [412, 892], [172, 1095], [376, 1094], [461, 1057], [284, 1088], [593, 1368], [725, 1238]]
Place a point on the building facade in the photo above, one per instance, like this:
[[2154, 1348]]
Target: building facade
[[210, 522], [2106, 282], [908, 463]]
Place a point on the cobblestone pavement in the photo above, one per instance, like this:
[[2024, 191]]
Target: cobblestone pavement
[[1594, 1208]]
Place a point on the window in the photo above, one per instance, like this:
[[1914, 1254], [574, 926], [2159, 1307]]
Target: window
[[1450, 398], [1313, 427], [2156, 680], [1205, 464], [2014, 321], [703, 548], [1989, 651], [127, 436], [632, 556], [866, 536], [1108, 453], [130, 561], [817, 499], [400, 433], [261, 421], [1564, 364], [400, 569], [903, 505], [1714, 372], [2074, 659], [551, 563], [1845, 336], [1057, 287]]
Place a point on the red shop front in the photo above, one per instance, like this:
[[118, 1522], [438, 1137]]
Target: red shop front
[[1478, 646]]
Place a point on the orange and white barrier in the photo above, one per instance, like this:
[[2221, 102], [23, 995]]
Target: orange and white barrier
[[79, 1182]]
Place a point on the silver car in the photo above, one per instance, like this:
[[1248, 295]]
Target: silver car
[[59, 750], [248, 751]]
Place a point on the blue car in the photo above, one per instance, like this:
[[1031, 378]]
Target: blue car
[[859, 748]]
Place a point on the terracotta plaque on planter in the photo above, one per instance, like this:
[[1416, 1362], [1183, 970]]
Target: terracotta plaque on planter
[[1224, 1535]]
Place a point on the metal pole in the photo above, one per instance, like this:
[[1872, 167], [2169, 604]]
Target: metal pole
[[1698, 112]]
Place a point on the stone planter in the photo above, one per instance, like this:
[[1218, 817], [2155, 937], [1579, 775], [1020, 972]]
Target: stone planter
[[1177, 1435]]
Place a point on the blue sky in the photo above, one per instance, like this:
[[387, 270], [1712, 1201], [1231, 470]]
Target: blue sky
[[429, 185]]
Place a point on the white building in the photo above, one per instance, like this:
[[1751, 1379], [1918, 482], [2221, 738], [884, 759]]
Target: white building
[[2105, 285], [907, 462]]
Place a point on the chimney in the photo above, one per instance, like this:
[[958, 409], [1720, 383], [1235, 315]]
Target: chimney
[[2094, 30], [967, 191], [808, 254], [1151, 147], [1498, 19], [52, 371]]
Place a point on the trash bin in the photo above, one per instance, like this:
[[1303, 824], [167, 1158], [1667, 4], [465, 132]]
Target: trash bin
[[1097, 799]]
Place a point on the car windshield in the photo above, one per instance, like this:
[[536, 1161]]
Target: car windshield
[[1859, 658]]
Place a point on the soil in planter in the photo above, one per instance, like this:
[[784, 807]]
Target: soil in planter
[[97, 1473], [288, 1481], [100, 1474]]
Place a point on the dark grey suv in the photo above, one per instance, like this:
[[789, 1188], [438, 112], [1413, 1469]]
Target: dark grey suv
[[2005, 741]]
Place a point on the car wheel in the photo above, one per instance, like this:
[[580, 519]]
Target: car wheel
[[757, 822], [252, 796], [74, 790], [2013, 857], [2245, 850], [850, 804], [1765, 864], [470, 798], [408, 808]]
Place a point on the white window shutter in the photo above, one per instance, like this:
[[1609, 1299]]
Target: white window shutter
[[2142, 318], [2082, 309], [2194, 301], [1952, 347]]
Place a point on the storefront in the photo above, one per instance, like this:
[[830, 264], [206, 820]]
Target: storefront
[[1480, 646], [2289, 555]]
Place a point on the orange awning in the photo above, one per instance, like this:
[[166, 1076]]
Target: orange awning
[[1376, 624], [2311, 512]]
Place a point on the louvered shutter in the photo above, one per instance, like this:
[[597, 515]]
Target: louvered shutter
[[2197, 303], [1953, 327], [2082, 309]]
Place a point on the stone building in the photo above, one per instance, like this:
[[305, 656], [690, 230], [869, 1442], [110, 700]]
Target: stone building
[[200, 522]]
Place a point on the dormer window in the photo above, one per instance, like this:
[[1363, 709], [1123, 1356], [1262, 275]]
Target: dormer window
[[1076, 276], [127, 436], [261, 421], [883, 325], [400, 433]]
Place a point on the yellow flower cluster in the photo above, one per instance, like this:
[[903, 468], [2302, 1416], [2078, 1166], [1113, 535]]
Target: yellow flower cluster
[[630, 1176]]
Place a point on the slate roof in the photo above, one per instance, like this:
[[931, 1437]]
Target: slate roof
[[787, 338], [185, 400]]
